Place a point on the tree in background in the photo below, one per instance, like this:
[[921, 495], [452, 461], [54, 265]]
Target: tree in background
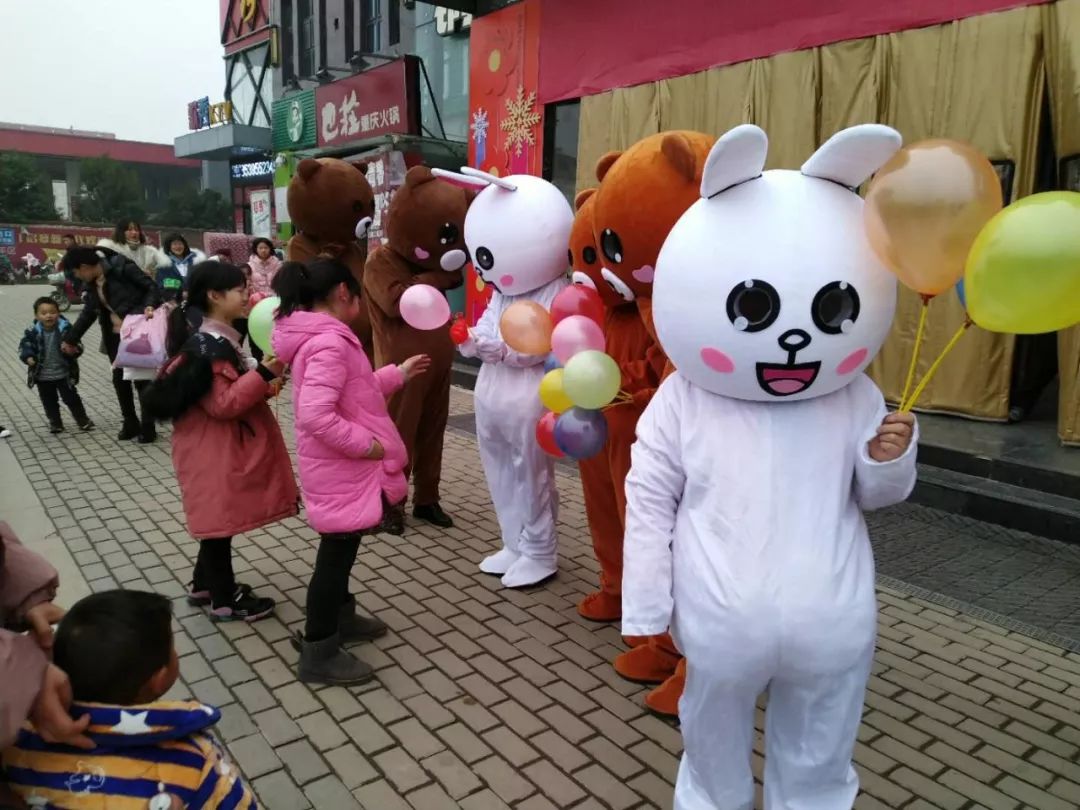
[[110, 192], [190, 208], [25, 191]]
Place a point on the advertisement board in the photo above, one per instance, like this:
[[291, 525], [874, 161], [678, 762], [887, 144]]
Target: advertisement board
[[380, 101]]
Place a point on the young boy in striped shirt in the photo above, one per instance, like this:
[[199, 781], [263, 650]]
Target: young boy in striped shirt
[[117, 649]]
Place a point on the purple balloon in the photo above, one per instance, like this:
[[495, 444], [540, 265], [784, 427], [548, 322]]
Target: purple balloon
[[580, 433], [551, 363]]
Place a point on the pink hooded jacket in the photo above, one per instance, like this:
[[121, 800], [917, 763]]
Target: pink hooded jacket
[[340, 409], [263, 272]]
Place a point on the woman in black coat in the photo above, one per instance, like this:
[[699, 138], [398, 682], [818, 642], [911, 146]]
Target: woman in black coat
[[116, 288]]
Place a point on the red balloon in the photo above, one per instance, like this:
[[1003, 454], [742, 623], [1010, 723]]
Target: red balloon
[[578, 299], [545, 434]]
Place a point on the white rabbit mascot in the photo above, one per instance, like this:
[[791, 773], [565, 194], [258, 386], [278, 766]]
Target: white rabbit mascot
[[753, 465], [517, 231]]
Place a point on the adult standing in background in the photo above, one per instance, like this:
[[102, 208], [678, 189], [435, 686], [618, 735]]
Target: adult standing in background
[[172, 278], [129, 240], [117, 288]]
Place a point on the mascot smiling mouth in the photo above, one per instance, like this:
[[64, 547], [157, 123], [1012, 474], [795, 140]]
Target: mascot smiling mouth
[[785, 379]]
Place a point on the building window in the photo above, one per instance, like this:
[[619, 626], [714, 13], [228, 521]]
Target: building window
[[394, 14], [322, 34], [307, 38], [370, 26], [288, 46], [560, 145], [350, 31]]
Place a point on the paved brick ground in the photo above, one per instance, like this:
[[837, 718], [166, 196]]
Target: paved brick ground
[[495, 699]]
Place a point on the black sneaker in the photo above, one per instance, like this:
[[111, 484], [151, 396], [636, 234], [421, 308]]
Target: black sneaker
[[86, 426], [245, 607], [129, 431], [147, 438], [433, 513], [200, 597], [56, 427]]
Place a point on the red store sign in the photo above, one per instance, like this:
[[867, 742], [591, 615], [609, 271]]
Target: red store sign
[[381, 101]]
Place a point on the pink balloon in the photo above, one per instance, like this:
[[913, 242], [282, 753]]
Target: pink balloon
[[424, 307], [574, 334]]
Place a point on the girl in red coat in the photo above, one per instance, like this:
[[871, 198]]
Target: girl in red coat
[[230, 458]]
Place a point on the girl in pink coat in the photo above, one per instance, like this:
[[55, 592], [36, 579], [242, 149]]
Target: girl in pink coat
[[351, 457], [264, 265], [230, 458]]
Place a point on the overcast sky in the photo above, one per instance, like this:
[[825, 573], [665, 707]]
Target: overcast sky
[[124, 66]]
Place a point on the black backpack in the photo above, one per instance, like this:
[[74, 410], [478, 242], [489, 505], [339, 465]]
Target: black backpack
[[188, 376]]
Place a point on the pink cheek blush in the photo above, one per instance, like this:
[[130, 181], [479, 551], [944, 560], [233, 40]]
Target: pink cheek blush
[[852, 362], [506, 280], [717, 361], [644, 274], [421, 254]]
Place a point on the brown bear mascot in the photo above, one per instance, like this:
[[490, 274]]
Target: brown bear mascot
[[643, 192], [331, 205], [425, 226]]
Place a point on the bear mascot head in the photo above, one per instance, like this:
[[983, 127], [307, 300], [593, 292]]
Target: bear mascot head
[[642, 192], [426, 222], [585, 264], [767, 288], [330, 201]]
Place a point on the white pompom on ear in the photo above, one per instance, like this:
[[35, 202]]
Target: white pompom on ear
[[738, 156], [852, 155]]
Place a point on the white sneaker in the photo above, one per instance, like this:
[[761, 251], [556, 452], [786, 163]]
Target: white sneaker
[[527, 571], [4, 432], [499, 563]]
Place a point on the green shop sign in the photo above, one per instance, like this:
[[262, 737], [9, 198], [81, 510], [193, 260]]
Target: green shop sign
[[294, 121]]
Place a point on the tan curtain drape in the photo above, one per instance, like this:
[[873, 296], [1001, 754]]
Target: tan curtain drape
[[979, 80], [785, 104], [851, 77], [1062, 44], [615, 120], [712, 101]]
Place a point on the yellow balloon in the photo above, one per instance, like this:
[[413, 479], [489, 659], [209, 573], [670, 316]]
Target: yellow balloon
[[1023, 274], [552, 394], [591, 379], [924, 209]]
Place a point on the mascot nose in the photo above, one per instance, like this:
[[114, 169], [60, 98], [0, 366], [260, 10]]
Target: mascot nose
[[362, 228], [453, 260], [794, 340]]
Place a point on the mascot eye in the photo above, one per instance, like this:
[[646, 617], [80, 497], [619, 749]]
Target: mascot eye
[[485, 258], [589, 255], [835, 308], [753, 305], [610, 244], [448, 234]]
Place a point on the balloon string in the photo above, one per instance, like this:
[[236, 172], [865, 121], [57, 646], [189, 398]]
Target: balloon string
[[919, 333], [907, 406]]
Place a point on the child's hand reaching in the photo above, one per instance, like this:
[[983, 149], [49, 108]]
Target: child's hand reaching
[[274, 366], [893, 437], [415, 366], [376, 452]]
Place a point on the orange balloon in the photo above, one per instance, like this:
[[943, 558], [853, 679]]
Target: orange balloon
[[526, 327], [924, 209]]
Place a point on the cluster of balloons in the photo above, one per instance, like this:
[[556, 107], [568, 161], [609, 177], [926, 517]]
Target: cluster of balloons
[[934, 216], [580, 377]]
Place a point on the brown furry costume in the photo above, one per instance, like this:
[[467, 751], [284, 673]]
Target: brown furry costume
[[425, 224], [327, 198]]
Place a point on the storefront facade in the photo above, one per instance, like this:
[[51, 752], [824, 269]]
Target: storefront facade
[[1000, 74]]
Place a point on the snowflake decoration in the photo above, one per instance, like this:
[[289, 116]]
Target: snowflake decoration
[[479, 125], [521, 118]]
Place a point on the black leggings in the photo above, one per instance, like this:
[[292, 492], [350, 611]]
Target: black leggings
[[52, 391], [214, 571], [329, 588]]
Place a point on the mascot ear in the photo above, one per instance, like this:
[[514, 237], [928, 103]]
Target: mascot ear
[[470, 195], [676, 148], [605, 163], [582, 196], [307, 168], [738, 156], [850, 156], [417, 176]]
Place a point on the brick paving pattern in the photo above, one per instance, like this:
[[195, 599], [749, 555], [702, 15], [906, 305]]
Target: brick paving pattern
[[492, 699]]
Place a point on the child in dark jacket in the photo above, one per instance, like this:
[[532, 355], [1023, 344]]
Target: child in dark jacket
[[117, 648], [53, 372]]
